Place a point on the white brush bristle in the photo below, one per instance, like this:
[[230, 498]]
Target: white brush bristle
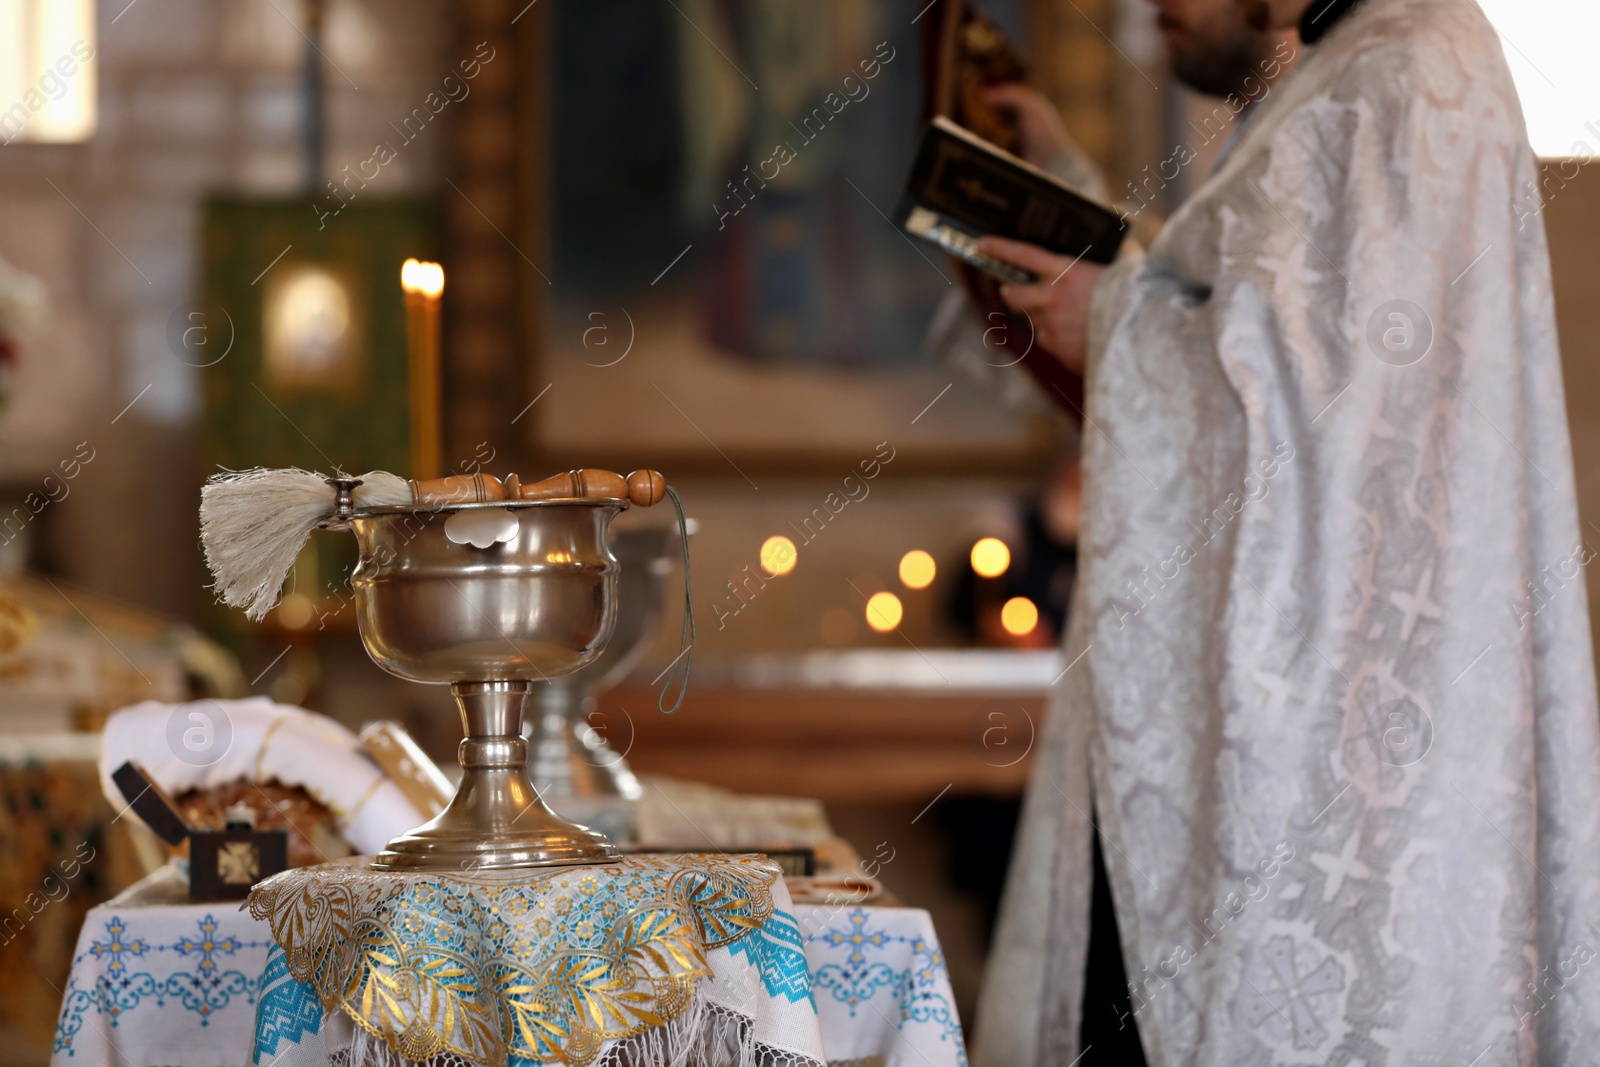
[[252, 526], [254, 523], [380, 489]]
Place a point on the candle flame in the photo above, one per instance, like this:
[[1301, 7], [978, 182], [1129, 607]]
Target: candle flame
[[420, 276]]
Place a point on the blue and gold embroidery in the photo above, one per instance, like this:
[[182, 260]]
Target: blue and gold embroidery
[[543, 968]]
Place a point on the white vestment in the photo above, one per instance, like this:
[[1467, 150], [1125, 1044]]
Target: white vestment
[[1332, 693]]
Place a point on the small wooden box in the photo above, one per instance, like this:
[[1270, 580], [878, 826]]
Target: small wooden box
[[224, 864]]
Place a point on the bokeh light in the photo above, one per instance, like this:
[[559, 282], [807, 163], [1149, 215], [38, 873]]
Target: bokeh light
[[917, 569], [778, 555], [1019, 616], [295, 611], [884, 612], [991, 557]]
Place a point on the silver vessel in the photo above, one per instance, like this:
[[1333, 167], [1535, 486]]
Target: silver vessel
[[490, 599], [577, 771]]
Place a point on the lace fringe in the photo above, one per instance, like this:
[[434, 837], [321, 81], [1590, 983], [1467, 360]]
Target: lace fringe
[[704, 1035]]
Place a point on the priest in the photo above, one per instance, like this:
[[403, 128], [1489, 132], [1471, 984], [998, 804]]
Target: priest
[[1329, 693]]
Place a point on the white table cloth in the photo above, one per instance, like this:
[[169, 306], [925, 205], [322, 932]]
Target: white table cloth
[[160, 982], [881, 986]]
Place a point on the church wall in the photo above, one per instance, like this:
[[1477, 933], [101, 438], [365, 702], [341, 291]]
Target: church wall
[[196, 97]]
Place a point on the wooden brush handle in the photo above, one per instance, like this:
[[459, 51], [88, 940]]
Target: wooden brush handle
[[458, 489], [641, 488]]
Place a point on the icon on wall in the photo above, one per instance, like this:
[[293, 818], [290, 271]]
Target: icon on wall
[[312, 329]]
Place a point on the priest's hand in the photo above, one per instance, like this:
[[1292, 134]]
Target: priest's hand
[[1057, 304], [1044, 135]]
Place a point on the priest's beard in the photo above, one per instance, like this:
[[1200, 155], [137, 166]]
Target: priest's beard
[[1212, 50], [1257, 14]]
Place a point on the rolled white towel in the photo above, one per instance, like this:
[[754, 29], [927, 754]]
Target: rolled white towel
[[208, 743]]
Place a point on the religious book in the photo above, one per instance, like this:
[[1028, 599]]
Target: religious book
[[965, 52], [962, 188], [794, 862]]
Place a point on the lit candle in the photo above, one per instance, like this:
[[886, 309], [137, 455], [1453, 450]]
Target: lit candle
[[423, 284]]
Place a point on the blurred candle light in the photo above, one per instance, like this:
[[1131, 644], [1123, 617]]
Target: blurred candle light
[[420, 276], [423, 283], [917, 569], [778, 555], [884, 612], [990, 557], [295, 611], [1019, 616]]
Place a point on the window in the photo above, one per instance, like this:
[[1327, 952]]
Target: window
[[1549, 45], [47, 82]]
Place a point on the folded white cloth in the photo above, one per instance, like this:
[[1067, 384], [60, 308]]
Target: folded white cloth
[[212, 742]]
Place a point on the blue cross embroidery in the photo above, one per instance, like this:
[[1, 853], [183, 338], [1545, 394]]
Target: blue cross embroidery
[[207, 946], [117, 949]]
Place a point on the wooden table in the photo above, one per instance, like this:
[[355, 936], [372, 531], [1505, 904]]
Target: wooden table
[[869, 726]]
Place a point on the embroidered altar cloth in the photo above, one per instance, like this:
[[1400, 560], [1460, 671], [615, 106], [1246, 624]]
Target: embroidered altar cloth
[[159, 981], [651, 959]]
